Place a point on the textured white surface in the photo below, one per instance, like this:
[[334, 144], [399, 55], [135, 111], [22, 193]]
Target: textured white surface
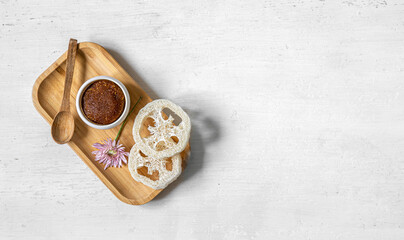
[[159, 144], [165, 177], [297, 110]]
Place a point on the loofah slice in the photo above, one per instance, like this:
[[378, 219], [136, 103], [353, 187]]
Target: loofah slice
[[164, 138], [137, 160]]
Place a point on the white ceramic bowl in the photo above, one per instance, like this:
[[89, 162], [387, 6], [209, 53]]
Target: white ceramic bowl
[[80, 109]]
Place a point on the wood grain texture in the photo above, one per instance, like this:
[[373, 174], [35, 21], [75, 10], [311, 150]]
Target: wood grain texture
[[296, 106], [93, 60], [62, 127], [69, 71]]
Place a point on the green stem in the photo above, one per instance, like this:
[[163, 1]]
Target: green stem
[[126, 119]]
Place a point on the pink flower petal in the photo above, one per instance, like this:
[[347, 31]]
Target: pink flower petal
[[103, 154]]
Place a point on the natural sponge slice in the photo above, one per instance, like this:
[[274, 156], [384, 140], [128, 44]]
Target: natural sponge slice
[[165, 139], [138, 160]]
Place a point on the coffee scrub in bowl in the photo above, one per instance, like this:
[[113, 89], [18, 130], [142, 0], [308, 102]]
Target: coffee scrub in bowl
[[103, 102]]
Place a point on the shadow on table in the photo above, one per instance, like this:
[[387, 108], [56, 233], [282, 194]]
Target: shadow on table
[[132, 72], [204, 130]]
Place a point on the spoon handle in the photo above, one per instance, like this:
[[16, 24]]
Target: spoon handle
[[71, 58]]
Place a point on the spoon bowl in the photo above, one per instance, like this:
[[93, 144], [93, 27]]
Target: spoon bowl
[[63, 127]]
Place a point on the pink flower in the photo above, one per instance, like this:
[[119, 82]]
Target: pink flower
[[111, 153]]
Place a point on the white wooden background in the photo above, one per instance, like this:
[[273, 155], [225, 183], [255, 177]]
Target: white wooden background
[[297, 108]]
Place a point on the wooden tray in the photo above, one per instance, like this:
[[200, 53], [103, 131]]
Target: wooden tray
[[93, 60]]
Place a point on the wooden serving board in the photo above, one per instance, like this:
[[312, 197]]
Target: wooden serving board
[[93, 60]]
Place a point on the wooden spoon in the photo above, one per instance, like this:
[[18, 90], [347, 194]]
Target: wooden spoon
[[63, 123]]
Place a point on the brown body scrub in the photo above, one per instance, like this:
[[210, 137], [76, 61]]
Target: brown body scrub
[[103, 102]]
